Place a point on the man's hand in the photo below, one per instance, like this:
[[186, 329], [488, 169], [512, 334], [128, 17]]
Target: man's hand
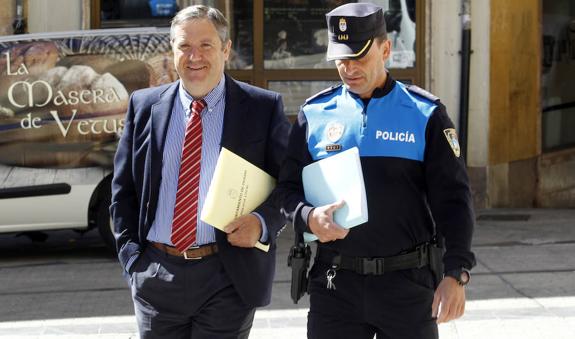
[[448, 300], [321, 223], [244, 231]]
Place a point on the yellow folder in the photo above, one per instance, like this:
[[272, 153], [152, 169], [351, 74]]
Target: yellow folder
[[237, 188]]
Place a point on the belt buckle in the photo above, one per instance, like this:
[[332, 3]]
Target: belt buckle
[[191, 248], [373, 266]]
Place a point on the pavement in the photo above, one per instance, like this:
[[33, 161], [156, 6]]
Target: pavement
[[522, 287]]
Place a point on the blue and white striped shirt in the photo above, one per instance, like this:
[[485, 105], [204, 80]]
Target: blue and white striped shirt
[[212, 125]]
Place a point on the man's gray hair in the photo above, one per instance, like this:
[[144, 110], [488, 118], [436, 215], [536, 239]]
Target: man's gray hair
[[201, 12]]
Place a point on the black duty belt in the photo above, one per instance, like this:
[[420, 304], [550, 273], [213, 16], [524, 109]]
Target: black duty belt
[[417, 258]]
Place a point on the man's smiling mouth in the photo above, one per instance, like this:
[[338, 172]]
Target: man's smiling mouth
[[197, 68]]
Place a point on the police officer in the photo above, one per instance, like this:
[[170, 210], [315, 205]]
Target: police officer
[[377, 278]]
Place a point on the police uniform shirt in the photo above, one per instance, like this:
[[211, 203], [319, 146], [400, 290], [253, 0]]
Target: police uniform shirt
[[414, 175]]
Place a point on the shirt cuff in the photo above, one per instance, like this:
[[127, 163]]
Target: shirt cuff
[[264, 237], [305, 212], [131, 261]]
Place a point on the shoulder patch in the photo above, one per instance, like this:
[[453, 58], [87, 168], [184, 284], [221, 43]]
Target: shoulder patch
[[322, 93], [451, 136], [421, 92]]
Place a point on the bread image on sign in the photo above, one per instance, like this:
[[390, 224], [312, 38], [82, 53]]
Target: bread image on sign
[[63, 97]]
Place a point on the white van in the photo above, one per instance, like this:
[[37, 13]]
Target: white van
[[62, 103]]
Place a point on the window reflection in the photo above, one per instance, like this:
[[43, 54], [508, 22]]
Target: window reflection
[[241, 33], [400, 24], [294, 93], [134, 13], [159, 13], [558, 74], [295, 33]]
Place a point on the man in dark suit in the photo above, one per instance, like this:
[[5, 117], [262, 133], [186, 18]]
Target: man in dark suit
[[188, 279]]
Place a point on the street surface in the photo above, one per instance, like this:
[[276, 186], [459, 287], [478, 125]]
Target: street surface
[[523, 286]]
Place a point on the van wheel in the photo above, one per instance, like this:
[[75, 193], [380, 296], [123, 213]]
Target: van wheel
[[105, 224]]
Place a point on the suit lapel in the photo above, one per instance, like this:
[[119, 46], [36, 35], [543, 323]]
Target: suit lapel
[[161, 112], [235, 114]]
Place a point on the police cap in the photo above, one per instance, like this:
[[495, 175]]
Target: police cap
[[352, 28]]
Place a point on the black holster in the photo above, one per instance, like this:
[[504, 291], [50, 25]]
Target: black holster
[[436, 252], [298, 260]]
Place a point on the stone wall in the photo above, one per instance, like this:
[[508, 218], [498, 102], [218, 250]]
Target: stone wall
[[556, 187]]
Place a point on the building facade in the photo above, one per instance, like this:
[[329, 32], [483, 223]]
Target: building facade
[[519, 111]]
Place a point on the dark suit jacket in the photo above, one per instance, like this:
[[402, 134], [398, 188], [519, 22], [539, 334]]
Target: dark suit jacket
[[255, 128]]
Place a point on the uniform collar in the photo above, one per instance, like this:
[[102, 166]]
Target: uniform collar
[[379, 91], [387, 87]]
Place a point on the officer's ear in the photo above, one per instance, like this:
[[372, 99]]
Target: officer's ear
[[385, 47]]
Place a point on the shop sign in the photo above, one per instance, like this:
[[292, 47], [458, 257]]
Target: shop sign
[[63, 97]]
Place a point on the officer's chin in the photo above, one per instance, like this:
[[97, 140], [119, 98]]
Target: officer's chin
[[355, 89]]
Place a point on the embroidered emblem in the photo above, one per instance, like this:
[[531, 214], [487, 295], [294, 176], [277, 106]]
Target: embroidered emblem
[[334, 131], [451, 136], [342, 25]]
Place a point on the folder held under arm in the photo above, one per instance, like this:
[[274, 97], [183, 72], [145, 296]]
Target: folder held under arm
[[237, 188]]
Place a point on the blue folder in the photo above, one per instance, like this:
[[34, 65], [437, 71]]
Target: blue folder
[[338, 177]]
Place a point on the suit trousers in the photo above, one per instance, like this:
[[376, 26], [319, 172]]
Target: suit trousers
[[178, 298], [389, 306]]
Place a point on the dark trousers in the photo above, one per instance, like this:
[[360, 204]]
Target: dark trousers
[[178, 298], [395, 305]]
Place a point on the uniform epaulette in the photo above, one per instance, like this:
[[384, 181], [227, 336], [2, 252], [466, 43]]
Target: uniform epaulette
[[322, 93], [421, 92]]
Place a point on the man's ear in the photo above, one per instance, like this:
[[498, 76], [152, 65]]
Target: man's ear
[[386, 49], [227, 47]]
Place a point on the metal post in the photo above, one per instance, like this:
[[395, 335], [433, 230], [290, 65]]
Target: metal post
[[464, 81]]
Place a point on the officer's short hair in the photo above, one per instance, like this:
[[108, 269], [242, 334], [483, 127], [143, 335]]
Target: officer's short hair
[[202, 12], [381, 38]]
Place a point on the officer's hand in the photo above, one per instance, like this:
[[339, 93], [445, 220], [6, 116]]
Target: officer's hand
[[448, 300], [244, 231], [321, 223]]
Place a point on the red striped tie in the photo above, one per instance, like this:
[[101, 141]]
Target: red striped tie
[[186, 207]]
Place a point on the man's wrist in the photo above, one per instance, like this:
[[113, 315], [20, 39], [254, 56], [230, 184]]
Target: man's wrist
[[263, 229], [309, 216], [461, 275], [301, 223]]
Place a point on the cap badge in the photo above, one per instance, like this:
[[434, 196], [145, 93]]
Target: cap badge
[[334, 131], [342, 25], [451, 136]]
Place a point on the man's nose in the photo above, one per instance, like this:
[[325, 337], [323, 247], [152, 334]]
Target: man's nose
[[195, 53], [348, 65]]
